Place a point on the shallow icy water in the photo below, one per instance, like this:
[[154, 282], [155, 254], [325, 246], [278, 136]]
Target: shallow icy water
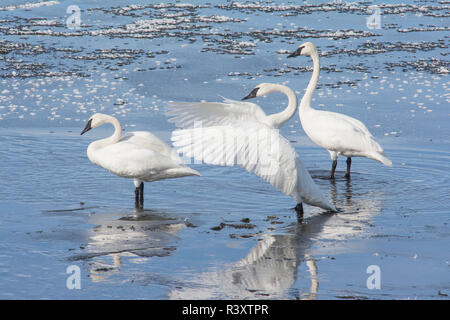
[[227, 234]]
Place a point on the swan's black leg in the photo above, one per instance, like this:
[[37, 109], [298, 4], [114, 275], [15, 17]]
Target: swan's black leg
[[136, 198], [333, 168], [141, 196], [299, 210], [349, 164]]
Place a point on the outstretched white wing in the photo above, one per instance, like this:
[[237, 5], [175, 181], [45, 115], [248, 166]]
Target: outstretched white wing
[[187, 114], [251, 145]]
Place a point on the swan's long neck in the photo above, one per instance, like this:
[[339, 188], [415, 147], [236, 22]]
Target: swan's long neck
[[115, 137], [278, 119], [117, 130], [306, 100]]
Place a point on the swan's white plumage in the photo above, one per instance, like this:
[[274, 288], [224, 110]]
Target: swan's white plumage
[[336, 132], [187, 114], [253, 146], [138, 155], [235, 132], [343, 135]]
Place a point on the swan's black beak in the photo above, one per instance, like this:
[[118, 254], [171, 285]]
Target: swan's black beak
[[251, 94], [296, 53], [87, 128]]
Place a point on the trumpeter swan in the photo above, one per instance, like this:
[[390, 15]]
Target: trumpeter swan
[[338, 133], [236, 132], [139, 155]]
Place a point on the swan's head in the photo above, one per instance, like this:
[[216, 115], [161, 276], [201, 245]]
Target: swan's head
[[305, 49], [95, 121], [261, 89]]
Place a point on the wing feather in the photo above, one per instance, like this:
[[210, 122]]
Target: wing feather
[[190, 114], [254, 146], [339, 132]]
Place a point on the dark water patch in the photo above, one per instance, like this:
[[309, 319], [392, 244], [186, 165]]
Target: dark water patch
[[375, 47], [233, 225], [423, 29], [432, 65], [360, 7]]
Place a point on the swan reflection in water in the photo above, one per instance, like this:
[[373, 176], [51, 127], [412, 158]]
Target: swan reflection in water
[[137, 236], [270, 269]]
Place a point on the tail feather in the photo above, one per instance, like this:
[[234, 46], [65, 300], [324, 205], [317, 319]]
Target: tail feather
[[382, 158], [183, 172]]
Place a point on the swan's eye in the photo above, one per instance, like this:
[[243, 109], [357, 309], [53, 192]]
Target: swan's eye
[[296, 52]]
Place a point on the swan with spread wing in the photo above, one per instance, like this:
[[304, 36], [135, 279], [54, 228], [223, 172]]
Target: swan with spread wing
[[236, 132]]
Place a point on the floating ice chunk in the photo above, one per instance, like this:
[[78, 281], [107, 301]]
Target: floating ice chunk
[[29, 5]]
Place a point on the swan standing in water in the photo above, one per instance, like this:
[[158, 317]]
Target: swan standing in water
[[139, 155], [241, 133], [338, 133]]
